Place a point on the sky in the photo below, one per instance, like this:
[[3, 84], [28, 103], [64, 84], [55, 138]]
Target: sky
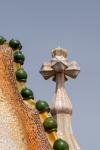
[[42, 25]]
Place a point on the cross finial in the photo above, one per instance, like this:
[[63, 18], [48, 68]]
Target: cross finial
[[59, 63], [60, 69]]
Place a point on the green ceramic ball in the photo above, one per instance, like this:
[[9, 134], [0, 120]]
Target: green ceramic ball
[[60, 145], [50, 124], [42, 106], [15, 44], [19, 57], [27, 93], [2, 40], [21, 75]]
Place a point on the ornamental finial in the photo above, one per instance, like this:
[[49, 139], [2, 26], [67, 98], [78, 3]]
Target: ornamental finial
[[60, 69]]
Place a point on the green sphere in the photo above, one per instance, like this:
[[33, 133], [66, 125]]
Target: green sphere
[[2, 40], [42, 106], [60, 145], [50, 124], [21, 75], [15, 44], [27, 93], [19, 57]]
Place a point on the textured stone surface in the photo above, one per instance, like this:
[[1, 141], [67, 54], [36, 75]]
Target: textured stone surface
[[20, 126]]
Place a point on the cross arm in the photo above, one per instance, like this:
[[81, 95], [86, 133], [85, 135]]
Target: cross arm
[[47, 71], [72, 70]]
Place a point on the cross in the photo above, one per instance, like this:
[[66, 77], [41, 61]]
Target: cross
[[60, 70]]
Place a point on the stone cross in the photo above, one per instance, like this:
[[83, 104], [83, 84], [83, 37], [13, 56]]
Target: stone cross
[[60, 69]]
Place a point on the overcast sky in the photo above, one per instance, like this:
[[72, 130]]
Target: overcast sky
[[72, 24]]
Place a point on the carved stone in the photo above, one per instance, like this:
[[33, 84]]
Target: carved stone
[[60, 69]]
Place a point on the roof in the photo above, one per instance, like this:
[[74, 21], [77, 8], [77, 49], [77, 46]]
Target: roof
[[25, 121]]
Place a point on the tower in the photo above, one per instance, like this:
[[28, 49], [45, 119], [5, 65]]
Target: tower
[[60, 69]]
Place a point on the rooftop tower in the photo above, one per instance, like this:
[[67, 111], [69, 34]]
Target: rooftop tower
[[60, 69]]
